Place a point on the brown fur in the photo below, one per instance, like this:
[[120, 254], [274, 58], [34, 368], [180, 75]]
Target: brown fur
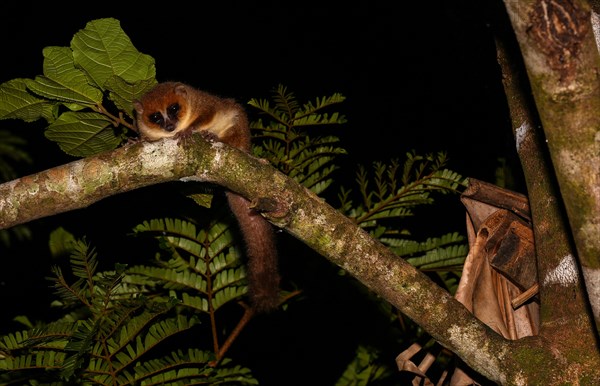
[[196, 111]]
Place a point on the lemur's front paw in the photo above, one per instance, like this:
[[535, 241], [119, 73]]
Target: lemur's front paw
[[184, 136], [209, 136], [134, 140]]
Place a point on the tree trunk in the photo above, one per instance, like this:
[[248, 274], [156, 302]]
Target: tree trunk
[[560, 54]]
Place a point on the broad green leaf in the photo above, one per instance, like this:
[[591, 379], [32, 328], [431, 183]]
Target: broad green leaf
[[103, 50], [62, 81], [123, 93], [17, 103], [83, 134]]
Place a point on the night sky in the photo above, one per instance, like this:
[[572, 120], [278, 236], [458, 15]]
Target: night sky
[[420, 75]]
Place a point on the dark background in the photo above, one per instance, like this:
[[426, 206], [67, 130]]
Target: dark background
[[417, 75]]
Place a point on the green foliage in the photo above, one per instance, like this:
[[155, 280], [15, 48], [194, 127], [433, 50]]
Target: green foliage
[[364, 369], [283, 139], [392, 194], [61, 242], [86, 91], [397, 191], [112, 336], [203, 270]]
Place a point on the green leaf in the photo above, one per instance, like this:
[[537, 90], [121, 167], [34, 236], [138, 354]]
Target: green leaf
[[17, 103], [172, 279], [452, 257], [212, 275], [227, 294], [365, 369], [103, 50], [82, 134], [325, 102], [189, 368], [199, 303], [123, 93], [229, 277], [309, 161], [61, 242], [62, 81]]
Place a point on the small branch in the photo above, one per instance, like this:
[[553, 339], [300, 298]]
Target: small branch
[[560, 52], [246, 317], [116, 121], [525, 296], [553, 239]]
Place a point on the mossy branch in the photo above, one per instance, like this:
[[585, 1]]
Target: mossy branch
[[561, 56], [296, 209]]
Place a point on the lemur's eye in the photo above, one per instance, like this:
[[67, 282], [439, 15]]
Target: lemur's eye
[[172, 110], [156, 118]]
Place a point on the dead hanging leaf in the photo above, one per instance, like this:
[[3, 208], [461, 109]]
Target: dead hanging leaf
[[499, 279], [405, 364]]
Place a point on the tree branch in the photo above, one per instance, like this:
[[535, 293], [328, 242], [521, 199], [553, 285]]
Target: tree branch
[[563, 299], [299, 211], [559, 50]]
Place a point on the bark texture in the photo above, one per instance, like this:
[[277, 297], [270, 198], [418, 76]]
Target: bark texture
[[559, 50]]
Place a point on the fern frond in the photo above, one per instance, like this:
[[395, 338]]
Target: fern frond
[[314, 119], [52, 335], [314, 168], [229, 277], [177, 234], [48, 360], [83, 261], [171, 279], [439, 253], [286, 144], [321, 103], [193, 302], [156, 333], [208, 276], [145, 371], [395, 196], [448, 258], [130, 323], [275, 113], [408, 248], [364, 369], [191, 367], [79, 345], [70, 295], [227, 294], [285, 101]]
